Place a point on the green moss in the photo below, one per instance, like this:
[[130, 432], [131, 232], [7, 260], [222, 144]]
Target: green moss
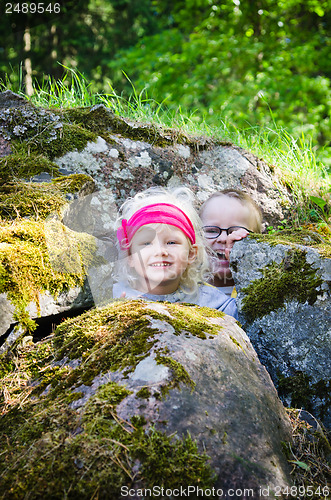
[[102, 121], [33, 200], [144, 393], [185, 314], [315, 235], [25, 268], [172, 463], [71, 183], [235, 341], [74, 396], [95, 120], [6, 366], [303, 392], [37, 200], [72, 137], [116, 337], [125, 327], [179, 373], [292, 279], [90, 450], [23, 165]]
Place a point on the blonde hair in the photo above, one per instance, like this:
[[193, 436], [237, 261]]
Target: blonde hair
[[182, 198], [245, 200]]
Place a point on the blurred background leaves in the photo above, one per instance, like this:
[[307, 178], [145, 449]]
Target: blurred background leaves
[[257, 62]]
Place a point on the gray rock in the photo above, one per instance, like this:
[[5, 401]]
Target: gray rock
[[20, 119], [284, 306], [9, 99], [75, 298], [126, 165], [200, 375], [233, 410]]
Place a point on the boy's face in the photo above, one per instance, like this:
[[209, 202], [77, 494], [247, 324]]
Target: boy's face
[[224, 212], [160, 254]]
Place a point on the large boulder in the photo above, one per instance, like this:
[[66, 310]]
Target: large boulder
[[285, 308], [126, 156], [140, 395]]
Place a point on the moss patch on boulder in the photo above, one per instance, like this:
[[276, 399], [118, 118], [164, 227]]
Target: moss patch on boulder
[[20, 166], [82, 448], [37, 200], [314, 235], [301, 392], [294, 278], [99, 119], [25, 268]]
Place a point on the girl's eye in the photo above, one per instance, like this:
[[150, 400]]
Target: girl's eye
[[172, 242], [145, 243]]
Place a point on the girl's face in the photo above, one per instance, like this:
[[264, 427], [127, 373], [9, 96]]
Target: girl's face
[[223, 212], [160, 254]]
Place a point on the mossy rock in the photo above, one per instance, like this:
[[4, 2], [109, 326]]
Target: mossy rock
[[316, 236], [101, 120], [37, 200], [284, 300], [36, 131], [26, 271], [137, 395], [20, 166]]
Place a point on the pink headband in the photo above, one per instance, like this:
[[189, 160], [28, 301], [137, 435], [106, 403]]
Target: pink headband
[[163, 213]]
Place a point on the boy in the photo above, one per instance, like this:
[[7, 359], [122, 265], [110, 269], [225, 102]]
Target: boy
[[227, 216]]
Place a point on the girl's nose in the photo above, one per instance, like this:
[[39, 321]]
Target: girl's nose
[[222, 237], [161, 249]]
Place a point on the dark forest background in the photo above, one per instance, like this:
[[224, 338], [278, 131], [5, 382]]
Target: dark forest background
[[253, 62]]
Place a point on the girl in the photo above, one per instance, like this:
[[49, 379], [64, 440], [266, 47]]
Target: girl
[[162, 245], [227, 216]]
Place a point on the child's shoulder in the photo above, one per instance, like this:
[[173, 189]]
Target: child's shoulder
[[212, 291], [213, 297]]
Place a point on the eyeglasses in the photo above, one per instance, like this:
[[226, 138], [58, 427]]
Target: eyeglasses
[[211, 232]]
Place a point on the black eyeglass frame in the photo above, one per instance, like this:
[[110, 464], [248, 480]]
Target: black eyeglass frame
[[221, 229]]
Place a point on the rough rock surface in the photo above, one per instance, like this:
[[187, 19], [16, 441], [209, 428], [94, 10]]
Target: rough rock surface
[[126, 165], [76, 298], [284, 306], [112, 385]]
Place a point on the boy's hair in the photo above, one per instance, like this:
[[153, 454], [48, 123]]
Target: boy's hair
[[181, 197], [245, 200]]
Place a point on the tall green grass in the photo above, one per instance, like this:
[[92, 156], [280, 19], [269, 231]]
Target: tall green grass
[[297, 162]]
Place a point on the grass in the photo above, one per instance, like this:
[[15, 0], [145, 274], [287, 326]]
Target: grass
[[308, 455], [299, 164]]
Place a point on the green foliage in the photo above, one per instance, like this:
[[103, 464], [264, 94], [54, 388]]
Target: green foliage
[[322, 204], [237, 62], [227, 61]]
